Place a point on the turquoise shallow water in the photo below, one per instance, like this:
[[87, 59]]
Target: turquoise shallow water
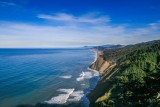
[[50, 76]]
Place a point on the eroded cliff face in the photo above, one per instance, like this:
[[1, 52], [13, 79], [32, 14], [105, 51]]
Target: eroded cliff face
[[104, 68], [100, 65]]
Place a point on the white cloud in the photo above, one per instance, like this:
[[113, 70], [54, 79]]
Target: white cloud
[[155, 26], [29, 35], [88, 18]]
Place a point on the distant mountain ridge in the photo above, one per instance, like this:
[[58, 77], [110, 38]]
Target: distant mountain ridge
[[105, 46]]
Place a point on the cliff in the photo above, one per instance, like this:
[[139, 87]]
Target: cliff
[[100, 64], [104, 68]]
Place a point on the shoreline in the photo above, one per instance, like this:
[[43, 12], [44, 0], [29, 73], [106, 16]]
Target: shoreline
[[97, 54], [93, 70], [95, 59], [100, 66], [87, 102]]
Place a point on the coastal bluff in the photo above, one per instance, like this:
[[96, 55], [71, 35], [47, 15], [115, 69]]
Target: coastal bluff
[[129, 76], [104, 67], [100, 64]]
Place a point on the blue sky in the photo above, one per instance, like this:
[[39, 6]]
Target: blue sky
[[74, 23]]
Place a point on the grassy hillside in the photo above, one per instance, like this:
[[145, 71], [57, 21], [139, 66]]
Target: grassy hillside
[[134, 81]]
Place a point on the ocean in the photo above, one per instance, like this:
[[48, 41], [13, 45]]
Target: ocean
[[57, 77]]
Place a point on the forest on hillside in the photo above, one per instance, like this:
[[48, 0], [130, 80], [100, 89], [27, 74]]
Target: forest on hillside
[[134, 82]]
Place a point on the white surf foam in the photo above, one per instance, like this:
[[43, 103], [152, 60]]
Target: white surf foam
[[87, 75], [66, 76], [61, 98], [76, 96], [80, 78], [66, 90], [95, 56]]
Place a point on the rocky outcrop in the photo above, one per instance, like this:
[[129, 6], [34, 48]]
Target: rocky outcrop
[[100, 64]]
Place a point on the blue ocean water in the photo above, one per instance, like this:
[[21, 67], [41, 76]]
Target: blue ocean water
[[47, 76]]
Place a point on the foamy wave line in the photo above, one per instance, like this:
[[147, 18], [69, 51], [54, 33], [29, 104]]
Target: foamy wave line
[[96, 73], [80, 78], [66, 76], [76, 96], [61, 98], [87, 75], [95, 56]]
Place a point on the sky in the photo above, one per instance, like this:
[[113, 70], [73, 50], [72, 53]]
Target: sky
[[76, 23]]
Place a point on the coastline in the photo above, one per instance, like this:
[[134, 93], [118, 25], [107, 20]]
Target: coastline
[[96, 75], [92, 70], [97, 54], [99, 65], [95, 59], [122, 65]]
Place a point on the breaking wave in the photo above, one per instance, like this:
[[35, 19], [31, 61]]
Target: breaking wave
[[87, 75], [76, 96], [66, 76], [61, 98]]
